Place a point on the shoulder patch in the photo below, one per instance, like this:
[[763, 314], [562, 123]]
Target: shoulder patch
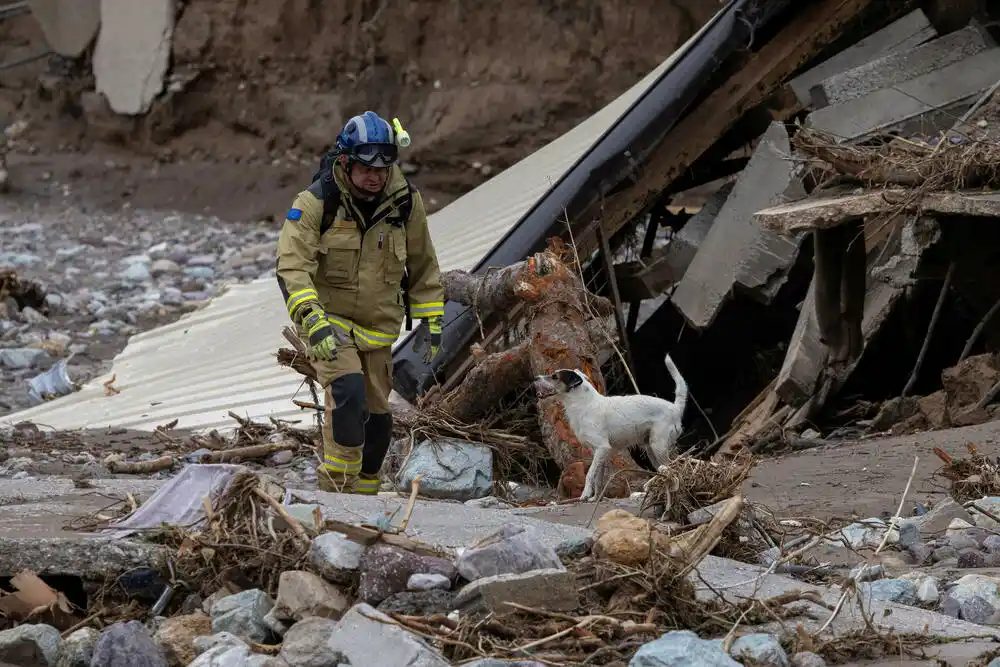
[[294, 214]]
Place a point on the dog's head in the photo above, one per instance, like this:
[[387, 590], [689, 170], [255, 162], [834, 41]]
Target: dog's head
[[562, 381]]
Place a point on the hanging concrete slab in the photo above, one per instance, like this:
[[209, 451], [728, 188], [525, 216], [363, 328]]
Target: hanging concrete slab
[[69, 26], [913, 100], [132, 52], [901, 66], [736, 250], [901, 35]]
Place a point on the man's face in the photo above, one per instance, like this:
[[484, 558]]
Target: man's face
[[369, 180]]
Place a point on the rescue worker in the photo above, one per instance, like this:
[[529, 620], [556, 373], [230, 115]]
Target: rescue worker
[[342, 253]]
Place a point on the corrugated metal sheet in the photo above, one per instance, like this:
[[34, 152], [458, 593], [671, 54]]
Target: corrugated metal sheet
[[221, 357]]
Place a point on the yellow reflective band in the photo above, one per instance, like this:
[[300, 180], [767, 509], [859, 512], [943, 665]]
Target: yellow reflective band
[[340, 465], [367, 486], [297, 299], [370, 336]]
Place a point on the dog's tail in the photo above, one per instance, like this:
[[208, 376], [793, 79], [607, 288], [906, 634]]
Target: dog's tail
[[681, 387]]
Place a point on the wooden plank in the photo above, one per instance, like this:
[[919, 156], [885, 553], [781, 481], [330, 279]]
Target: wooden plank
[[812, 29]]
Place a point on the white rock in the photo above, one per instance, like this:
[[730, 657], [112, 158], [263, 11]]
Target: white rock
[[927, 590]]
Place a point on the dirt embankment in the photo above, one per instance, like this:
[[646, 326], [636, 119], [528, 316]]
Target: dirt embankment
[[479, 86]]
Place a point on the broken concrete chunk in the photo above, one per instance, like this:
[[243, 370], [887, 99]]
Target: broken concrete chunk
[[69, 27], [132, 52], [889, 590], [176, 636], [543, 589], [886, 108], [78, 649], [511, 550], [428, 582], [302, 594], [30, 645], [243, 615], [202, 644], [126, 645], [992, 505], [900, 66], [736, 250], [307, 644], [901, 35], [681, 648], [449, 469], [936, 521], [228, 656], [336, 558], [386, 569], [362, 628]]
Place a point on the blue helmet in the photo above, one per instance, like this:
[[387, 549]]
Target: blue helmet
[[368, 139]]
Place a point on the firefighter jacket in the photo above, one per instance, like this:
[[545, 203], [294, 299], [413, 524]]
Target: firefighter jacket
[[353, 268]]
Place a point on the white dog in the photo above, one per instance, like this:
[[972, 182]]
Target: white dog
[[607, 423]]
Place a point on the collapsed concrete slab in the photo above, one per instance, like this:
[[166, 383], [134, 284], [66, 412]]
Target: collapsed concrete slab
[[915, 100], [69, 26], [831, 211], [736, 251], [84, 557], [900, 66], [132, 52], [901, 35]]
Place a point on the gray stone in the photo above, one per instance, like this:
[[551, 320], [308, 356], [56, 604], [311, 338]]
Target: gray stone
[[163, 267], [992, 505], [132, 52], [959, 541], [491, 662], [126, 645], [543, 589], [971, 558], [975, 585], [278, 626], [900, 35], [868, 572], [202, 644], [763, 649], [682, 648], [419, 603], [900, 66], [307, 644], [944, 553], [302, 594], [575, 548], [223, 656], [136, 273], [927, 590], [78, 649], [807, 659], [920, 552], [335, 557], [22, 358], [450, 469], [909, 534], [30, 646], [890, 590], [950, 607], [243, 615], [992, 544], [882, 109], [386, 569], [737, 250], [511, 550], [428, 582], [977, 610]]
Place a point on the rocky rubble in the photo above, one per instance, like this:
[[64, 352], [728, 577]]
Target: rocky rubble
[[106, 277]]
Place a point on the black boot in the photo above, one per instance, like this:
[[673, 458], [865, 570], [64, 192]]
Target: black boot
[[378, 435]]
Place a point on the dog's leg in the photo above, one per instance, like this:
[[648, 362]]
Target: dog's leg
[[597, 474], [662, 438]]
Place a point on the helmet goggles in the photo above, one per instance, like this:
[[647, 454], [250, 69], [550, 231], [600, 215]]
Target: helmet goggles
[[378, 156]]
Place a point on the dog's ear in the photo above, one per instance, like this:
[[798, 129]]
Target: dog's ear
[[569, 378]]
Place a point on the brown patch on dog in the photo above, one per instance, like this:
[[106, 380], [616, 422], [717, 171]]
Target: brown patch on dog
[[573, 479]]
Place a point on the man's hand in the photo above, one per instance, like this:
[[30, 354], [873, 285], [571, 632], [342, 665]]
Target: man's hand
[[434, 326], [322, 344]]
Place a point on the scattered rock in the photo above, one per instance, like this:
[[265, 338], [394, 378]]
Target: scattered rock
[[971, 558], [807, 659], [450, 469], [865, 534], [176, 636], [126, 645], [30, 645], [575, 548], [936, 521], [428, 582], [202, 644], [927, 590], [308, 644], [761, 648], [977, 610], [551, 589], [363, 627], [336, 558], [682, 648], [243, 614], [229, 656], [890, 590], [419, 603], [386, 569], [302, 594], [23, 358], [511, 550], [78, 648], [992, 505], [966, 382], [971, 586], [934, 408], [992, 544], [867, 572]]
